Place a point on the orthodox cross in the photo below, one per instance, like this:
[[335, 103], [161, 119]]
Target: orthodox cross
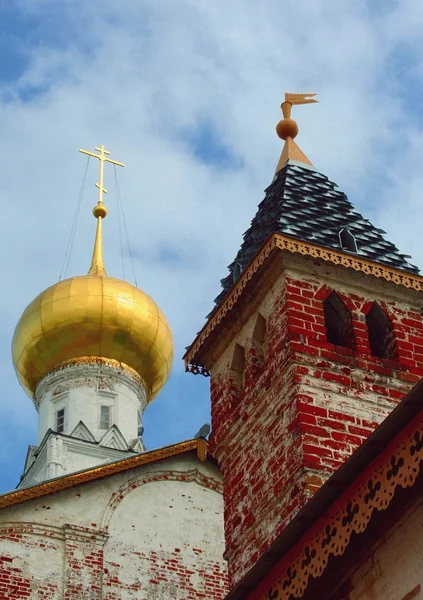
[[102, 157]]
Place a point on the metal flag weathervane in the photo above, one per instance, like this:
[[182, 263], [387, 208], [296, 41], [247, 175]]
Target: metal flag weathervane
[[102, 157], [300, 98], [287, 130], [292, 99]]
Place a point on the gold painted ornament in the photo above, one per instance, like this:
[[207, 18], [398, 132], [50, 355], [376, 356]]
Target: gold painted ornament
[[93, 316]]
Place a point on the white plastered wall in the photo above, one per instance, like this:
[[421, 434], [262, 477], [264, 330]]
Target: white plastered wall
[[169, 510], [82, 390], [394, 570]]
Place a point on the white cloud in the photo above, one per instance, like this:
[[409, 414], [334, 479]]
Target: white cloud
[[143, 78]]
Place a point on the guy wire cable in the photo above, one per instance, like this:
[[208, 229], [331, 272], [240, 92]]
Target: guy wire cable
[[125, 227], [119, 225], [66, 259]]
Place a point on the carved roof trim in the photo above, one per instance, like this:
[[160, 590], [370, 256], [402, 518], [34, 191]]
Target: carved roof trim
[[390, 458], [200, 445], [352, 513], [277, 241]]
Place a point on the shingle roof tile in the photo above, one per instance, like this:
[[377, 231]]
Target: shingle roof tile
[[306, 205]]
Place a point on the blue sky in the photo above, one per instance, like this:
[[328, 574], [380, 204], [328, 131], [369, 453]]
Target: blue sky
[[187, 95]]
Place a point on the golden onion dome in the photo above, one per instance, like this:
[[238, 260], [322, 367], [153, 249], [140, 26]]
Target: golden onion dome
[[93, 316]]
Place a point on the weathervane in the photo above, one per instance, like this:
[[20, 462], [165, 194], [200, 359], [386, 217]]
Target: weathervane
[[102, 157], [287, 129], [291, 99]]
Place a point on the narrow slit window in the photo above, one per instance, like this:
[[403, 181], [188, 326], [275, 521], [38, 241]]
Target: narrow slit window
[[259, 332], [238, 365], [381, 333], [60, 420], [338, 321], [259, 342], [105, 417], [140, 427]]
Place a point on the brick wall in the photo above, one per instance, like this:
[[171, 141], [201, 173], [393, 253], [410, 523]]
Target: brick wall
[[302, 405], [21, 549], [152, 532]]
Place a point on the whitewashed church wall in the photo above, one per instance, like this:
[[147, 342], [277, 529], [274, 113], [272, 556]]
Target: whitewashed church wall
[[151, 532], [20, 552], [145, 531], [394, 570]]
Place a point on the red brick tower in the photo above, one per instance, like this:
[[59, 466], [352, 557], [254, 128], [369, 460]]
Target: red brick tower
[[315, 338]]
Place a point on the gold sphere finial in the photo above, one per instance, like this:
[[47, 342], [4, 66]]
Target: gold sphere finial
[[287, 128], [100, 210]]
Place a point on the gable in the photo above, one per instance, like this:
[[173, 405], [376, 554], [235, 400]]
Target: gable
[[82, 432], [114, 439]]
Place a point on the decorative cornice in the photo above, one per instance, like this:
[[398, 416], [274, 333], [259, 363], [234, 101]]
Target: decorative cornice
[[86, 535], [19, 528], [281, 242], [68, 481], [65, 533], [118, 369], [398, 465], [100, 361]]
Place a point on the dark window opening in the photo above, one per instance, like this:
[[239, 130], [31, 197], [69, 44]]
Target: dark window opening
[[60, 420], [259, 343], [338, 321], [105, 417], [259, 332], [238, 365], [140, 427], [381, 334], [347, 240]]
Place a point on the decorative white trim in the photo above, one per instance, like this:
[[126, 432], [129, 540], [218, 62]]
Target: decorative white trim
[[82, 432], [113, 438]]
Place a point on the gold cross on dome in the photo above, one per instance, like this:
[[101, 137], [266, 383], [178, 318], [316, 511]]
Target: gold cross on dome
[[102, 157]]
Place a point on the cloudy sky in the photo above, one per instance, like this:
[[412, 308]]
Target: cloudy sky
[[187, 95]]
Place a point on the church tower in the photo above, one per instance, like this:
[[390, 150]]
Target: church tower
[[91, 351], [315, 338]]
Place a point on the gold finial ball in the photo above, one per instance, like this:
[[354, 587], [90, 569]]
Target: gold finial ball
[[100, 211], [287, 128]]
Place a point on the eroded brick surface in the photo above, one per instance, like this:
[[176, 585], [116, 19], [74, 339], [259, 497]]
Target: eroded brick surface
[[155, 532], [304, 405]]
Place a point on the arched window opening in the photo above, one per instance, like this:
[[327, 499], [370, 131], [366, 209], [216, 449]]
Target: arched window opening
[[338, 321], [347, 240], [381, 333], [238, 365]]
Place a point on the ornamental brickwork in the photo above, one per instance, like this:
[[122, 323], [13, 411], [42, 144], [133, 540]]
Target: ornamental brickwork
[[295, 406]]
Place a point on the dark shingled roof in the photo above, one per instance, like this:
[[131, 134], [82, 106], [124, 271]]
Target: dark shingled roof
[[304, 204]]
